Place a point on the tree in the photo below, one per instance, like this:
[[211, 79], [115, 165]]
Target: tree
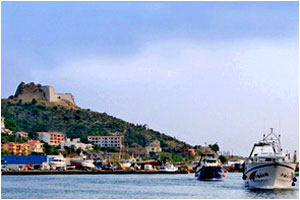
[[6, 153], [176, 157], [50, 150], [34, 101], [10, 124], [7, 138], [223, 159], [78, 151], [214, 147]]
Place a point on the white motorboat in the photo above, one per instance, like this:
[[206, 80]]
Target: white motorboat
[[168, 168], [82, 162], [268, 167], [125, 164], [57, 162]]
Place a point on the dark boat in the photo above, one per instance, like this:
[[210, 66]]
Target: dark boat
[[209, 169]]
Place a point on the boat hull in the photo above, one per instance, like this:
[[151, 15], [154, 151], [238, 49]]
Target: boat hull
[[125, 165], [210, 174], [57, 165], [269, 175], [82, 163]]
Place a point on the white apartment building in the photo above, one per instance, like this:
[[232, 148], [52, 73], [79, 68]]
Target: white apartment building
[[107, 141], [76, 142]]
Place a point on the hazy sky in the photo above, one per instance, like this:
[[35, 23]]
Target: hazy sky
[[200, 71]]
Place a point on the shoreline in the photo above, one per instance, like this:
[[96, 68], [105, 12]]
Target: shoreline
[[52, 172]]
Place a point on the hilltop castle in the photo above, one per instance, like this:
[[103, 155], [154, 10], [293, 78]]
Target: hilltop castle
[[28, 92]]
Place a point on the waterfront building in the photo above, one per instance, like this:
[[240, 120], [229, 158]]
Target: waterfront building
[[154, 147], [76, 142], [2, 122], [3, 129], [107, 141], [23, 162], [52, 138], [189, 151], [21, 134], [35, 146], [234, 164], [16, 148]]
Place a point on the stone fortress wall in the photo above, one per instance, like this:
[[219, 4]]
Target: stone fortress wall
[[51, 96], [27, 92]]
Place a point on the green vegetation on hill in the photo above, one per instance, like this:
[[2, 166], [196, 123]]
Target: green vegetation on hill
[[38, 116]]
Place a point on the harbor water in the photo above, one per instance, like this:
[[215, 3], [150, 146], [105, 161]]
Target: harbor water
[[141, 186]]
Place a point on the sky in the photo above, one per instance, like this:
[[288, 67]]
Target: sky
[[209, 72]]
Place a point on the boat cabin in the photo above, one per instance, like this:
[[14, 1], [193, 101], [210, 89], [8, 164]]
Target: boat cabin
[[268, 150]]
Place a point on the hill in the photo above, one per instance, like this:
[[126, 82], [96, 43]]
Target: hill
[[75, 122]]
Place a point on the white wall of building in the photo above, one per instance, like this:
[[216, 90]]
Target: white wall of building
[[106, 141]]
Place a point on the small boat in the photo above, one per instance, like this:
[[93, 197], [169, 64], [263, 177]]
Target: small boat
[[149, 167], [57, 162], [209, 169], [168, 168], [125, 164], [81, 162], [268, 167]]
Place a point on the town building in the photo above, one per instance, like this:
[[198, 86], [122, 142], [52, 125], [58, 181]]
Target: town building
[[76, 142], [107, 141], [3, 129], [16, 148], [35, 146], [154, 147], [52, 138], [20, 134], [189, 152], [24, 162], [2, 122]]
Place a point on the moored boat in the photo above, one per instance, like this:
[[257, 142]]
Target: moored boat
[[57, 162], [82, 163], [168, 168], [267, 166], [125, 164]]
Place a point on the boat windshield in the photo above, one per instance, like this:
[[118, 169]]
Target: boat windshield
[[210, 161], [57, 160], [266, 149]]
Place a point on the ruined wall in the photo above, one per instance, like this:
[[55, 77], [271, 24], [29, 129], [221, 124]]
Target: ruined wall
[[27, 92], [30, 91], [51, 96]]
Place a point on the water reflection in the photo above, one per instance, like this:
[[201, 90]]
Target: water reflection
[[271, 193]]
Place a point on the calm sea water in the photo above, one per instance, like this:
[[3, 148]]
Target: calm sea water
[[164, 186]]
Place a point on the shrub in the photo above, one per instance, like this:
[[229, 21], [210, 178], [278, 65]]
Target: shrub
[[10, 124], [34, 101]]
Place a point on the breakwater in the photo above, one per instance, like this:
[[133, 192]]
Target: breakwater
[[49, 172]]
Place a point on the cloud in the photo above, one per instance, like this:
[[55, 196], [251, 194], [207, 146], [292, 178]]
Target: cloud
[[193, 90], [261, 65]]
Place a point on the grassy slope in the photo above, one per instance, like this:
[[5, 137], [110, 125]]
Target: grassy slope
[[76, 122]]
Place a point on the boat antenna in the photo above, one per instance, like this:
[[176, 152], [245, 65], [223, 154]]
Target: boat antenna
[[279, 126]]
